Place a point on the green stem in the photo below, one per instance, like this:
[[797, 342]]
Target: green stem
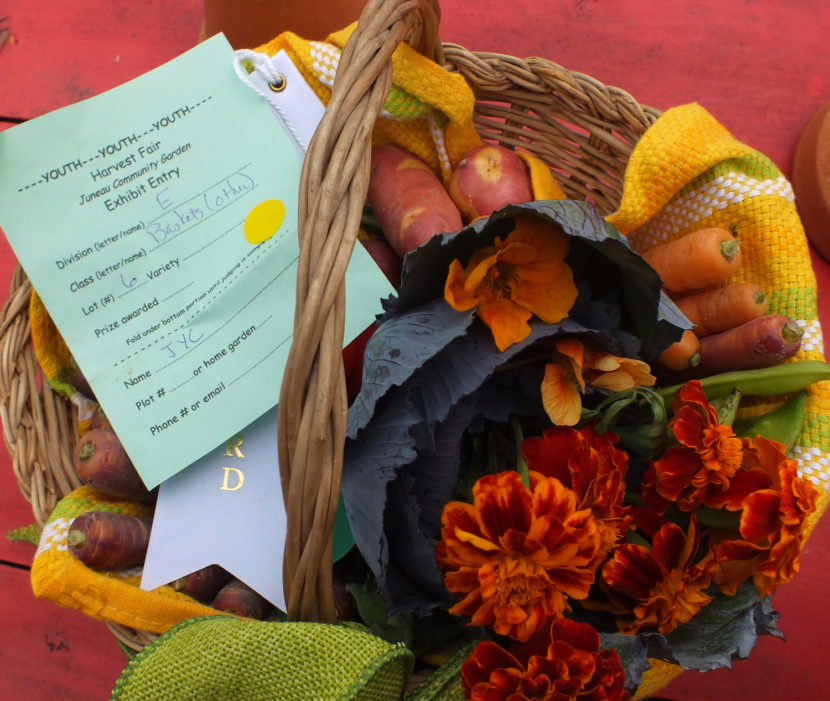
[[636, 539], [720, 519], [727, 406], [730, 249], [633, 498], [521, 464], [791, 332], [76, 538], [777, 379], [86, 450]]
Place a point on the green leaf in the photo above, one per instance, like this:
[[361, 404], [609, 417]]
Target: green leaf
[[724, 630], [398, 348], [638, 416], [634, 653], [783, 424], [719, 519], [372, 610], [727, 406]]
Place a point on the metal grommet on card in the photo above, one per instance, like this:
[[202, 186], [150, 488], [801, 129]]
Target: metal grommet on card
[[278, 83]]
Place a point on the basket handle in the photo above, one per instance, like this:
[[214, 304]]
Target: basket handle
[[333, 186]]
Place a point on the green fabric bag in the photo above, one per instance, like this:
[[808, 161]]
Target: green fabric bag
[[222, 657]]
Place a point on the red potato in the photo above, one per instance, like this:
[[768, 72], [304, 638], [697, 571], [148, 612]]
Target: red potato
[[238, 598], [489, 177], [408, 199], [105, 541], [101, 462], [203, 584]]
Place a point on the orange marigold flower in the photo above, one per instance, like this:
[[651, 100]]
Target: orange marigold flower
[[702, 469], [518, 276], [565, 665], [592, 466], [516, 555], [772, 525], [665, 585], [576, 366]]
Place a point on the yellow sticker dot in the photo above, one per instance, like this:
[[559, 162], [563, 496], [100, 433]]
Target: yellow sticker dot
[[263, 221]]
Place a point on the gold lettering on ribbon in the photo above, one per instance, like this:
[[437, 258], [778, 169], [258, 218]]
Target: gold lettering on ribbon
[[240, 479], [232, 447]]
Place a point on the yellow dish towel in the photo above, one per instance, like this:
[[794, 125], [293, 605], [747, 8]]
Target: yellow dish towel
[[115, 595]]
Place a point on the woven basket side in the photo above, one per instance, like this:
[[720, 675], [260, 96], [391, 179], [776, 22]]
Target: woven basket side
[[39, 426], [130, 637], [584, 130]]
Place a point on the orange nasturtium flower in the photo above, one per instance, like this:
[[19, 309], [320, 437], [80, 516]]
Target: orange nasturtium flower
[[772, 525], [665, 585], [515, 555], [592, 466], [566, 664], [574, 367], [515, 278], [706, 467]]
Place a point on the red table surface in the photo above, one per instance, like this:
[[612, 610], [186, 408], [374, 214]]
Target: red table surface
[[761, 68]]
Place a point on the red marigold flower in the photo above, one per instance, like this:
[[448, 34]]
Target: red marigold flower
[[702, 469], [664, 584], [516, 555], [570, 668], [591, 465], [772, 523]]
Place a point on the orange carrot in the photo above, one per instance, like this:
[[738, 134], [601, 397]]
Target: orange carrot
[[681, 354], [702, 258], [724, 308]]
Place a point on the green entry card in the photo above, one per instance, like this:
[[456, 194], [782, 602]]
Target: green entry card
[[158, 223]]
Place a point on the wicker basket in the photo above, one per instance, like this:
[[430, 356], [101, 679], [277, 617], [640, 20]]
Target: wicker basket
[[583, 129]]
